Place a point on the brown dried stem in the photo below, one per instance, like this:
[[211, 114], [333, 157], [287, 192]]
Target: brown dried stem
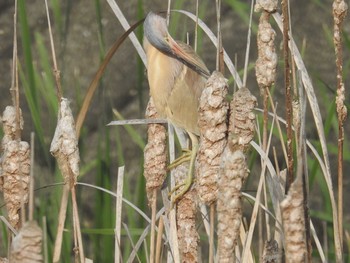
[[339, 12], [289, 98], [53, 53]]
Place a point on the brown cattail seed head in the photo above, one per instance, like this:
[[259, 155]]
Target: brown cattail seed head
[[242, 118], [212, 123], [154, 153], [272, 254], [9, 122], [266, 5], [294, 223], [26, 246], [233, 172], [64, 145], [188, 237], [15, 173], [265, 68]]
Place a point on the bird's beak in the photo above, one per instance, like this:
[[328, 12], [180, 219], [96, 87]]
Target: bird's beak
[[188, 58]]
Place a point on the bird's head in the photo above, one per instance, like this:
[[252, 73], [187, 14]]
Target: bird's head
[[156, 32]]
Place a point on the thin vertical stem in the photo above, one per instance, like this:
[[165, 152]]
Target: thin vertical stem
[[31, 176], [196, 28], [211, 234], [289, 109], [219, 52], [339, 12], [153, 226], [118, 217]]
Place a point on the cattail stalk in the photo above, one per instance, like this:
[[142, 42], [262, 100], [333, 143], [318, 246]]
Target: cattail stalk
[[339, 12]]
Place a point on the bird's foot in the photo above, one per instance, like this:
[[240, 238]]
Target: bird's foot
[[185, 186], [185, 157]]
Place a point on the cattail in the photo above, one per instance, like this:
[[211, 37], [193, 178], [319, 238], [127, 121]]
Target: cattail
[[188, 237], [26, 246], [212, 123], [15, 172], [64, 145], [233, 172], [265, 67], [9, 123], [271, 252], [15, 166], [267, 5], [154, 153], [294, 223], [242, 118]]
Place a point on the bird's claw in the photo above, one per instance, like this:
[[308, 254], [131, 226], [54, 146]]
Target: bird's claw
[[185, 157], [185, 187]]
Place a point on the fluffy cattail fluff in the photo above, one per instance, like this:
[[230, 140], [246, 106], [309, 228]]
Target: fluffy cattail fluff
[[188, 237], [272, 254], [64, 145], [154, 153], [212, 123], [26, 246], [265, 67], [233, 172], [294, 223], [267, 5], [15, 166]]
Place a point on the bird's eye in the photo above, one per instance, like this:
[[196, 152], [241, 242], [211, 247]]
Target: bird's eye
[[166, 39]]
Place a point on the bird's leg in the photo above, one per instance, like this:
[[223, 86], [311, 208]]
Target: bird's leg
[[188, 181], [185, 157]]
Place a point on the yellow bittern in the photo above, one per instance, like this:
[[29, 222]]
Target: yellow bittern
[[176, 77]]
